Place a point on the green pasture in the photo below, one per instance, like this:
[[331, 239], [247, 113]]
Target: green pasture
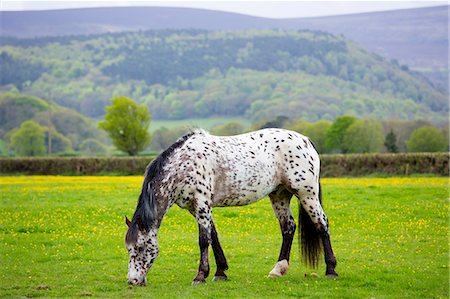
[[63, 237]]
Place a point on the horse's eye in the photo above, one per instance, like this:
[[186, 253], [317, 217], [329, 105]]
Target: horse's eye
[[140, 249]]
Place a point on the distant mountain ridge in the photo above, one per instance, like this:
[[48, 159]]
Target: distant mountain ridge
[[26, 24], [416, 37], [114, 19]]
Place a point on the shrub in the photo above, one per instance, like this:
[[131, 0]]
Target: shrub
[[427, 139], [389, 164], [332, 165]]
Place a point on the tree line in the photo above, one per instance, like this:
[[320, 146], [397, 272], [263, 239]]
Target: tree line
[[127, 125], [344, 135]]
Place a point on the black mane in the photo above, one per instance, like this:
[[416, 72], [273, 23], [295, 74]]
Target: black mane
[[146, 211]]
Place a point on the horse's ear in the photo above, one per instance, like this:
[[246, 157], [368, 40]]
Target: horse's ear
[[127, 221]]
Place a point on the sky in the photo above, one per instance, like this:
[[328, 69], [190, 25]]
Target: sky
[[269, 9]]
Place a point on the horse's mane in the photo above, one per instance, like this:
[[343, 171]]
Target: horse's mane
[[146, 211]]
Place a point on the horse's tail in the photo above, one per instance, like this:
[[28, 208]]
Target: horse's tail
[[309, 237]]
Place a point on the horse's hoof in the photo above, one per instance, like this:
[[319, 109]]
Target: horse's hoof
[[332, 275], [198, 282], [219, 278], [280, 269]]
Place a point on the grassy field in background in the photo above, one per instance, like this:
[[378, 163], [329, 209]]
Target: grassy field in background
[[206, 123], [63, 237]]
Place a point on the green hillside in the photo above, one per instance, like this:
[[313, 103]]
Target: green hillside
[[69, 129], [192, 73]]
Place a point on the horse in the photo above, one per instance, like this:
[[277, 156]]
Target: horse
[[201, 171]]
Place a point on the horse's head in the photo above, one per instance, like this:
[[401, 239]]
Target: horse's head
[[142, 246]]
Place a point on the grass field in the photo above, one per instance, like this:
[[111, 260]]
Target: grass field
[[63, 237]]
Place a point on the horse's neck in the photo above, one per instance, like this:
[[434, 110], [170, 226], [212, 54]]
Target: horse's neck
[[162, 207]]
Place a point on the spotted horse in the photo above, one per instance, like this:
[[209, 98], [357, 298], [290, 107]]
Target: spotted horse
[[201, 171]]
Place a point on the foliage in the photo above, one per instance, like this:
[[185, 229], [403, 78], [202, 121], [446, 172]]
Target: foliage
[[18, 71], [404, 128], [317, 132], [390, 237], [59, 143], [427, 139], [228, 129], [163, 137], [363, 136], [279, 122], [72, 125], [193, 73], [16, 108], [384, 164], [127, 125], [28, 140], [205, 123], [93, 147], [331, 165], [390, 142], [335, 136], [3, 148]]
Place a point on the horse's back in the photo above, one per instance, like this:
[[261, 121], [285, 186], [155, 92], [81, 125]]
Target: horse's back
[[241, 169]]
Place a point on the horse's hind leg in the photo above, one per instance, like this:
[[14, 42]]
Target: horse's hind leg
[[280, 199], [315, 226], [221, 261]]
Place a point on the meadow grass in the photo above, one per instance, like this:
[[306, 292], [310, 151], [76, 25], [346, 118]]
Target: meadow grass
[[63, 237]]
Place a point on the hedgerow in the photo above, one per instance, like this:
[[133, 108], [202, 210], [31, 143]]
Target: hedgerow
[[389, 164], [332, 165], [74, 165]]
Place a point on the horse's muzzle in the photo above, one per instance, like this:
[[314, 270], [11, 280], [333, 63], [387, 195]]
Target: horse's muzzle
[[137, 282]]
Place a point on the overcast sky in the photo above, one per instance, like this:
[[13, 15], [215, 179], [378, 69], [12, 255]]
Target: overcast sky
[[270, 9]]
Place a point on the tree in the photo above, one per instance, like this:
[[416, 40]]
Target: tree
[[28, 140], [164, 137], [364, 136], [127, 125], [315, 131], [93, 147], [59, 143], [228, 129], [390, 142], [278, 122], [335, 134], [427, 139]]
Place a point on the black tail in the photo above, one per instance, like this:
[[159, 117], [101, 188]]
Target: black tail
[[309, 237]]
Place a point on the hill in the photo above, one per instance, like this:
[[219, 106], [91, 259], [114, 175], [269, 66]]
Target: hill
[[416, 37], [196, 73], [69, 128]]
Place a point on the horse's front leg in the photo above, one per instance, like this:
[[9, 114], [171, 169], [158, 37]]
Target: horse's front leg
[[203, 215], [204, 239]]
